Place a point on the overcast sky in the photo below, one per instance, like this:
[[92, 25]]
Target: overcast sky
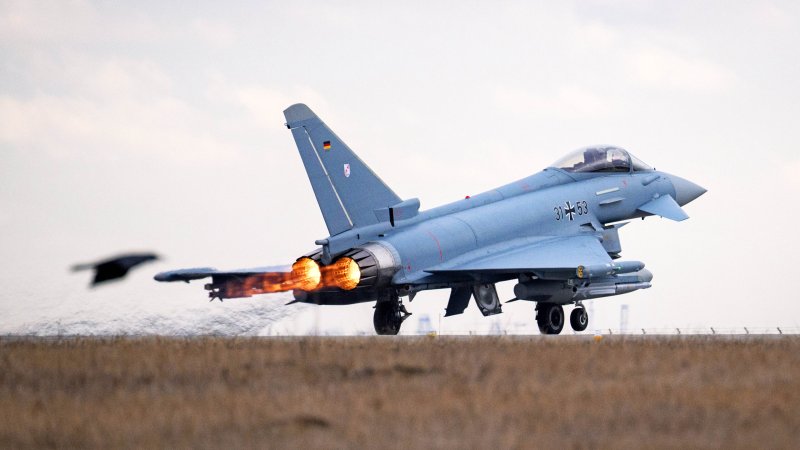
[[158, 125]]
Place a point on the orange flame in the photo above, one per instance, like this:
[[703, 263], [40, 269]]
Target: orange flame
[[344, 274], [306, 275]]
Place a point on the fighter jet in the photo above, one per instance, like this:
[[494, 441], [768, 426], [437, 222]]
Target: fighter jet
[[114, 268], [555, 232]]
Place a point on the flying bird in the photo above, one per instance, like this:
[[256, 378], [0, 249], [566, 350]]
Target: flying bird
[[116, 267]]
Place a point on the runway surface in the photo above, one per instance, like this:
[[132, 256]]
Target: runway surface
[[536, 391]]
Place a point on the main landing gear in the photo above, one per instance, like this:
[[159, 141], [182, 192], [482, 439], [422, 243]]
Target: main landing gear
[[389, 314], [550, 318]]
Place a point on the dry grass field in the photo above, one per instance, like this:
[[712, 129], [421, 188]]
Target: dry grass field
[[477, 392]]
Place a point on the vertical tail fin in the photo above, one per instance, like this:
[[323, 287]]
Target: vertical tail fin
[[347, 190]]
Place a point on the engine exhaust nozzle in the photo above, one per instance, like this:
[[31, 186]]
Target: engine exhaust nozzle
[[344, 274]]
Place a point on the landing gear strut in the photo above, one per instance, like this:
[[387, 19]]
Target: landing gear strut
[[579, 318], [550, 318], [389, 314]]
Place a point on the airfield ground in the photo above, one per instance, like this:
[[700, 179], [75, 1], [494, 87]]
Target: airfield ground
[[476, 392]]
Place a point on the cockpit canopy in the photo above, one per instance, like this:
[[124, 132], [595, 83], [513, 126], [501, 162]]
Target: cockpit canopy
[[600, 159]]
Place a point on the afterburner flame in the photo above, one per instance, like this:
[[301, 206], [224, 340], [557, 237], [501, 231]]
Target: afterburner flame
[[344, 274], [306, 275]]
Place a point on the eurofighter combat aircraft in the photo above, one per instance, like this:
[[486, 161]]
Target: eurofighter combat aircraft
[[555, 232]]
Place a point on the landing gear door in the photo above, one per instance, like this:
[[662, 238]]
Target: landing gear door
[[486, 298], [459, 299]]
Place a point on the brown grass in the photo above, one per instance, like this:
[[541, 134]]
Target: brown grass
[[481, 392]]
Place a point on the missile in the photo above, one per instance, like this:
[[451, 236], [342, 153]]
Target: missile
[[630, 287], [561, 292], [612, 268]]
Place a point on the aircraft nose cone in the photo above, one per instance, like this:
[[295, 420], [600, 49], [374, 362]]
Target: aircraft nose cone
[[685, 190]]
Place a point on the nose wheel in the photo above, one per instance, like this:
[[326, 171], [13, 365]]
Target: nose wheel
[[579, 318]]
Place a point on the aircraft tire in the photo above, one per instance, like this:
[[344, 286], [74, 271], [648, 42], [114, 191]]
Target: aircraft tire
[[550, 318], [387, 318], [579, 319]]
